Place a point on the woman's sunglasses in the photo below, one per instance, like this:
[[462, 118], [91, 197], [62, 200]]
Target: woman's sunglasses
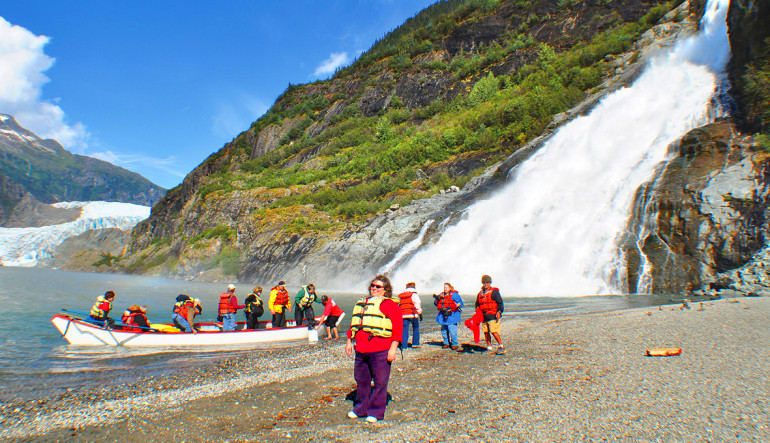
[[373, 285]]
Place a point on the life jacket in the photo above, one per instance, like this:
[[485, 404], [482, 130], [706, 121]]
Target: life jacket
[[225, 305], [183, 307], [129, 319], [101, 308], [281, 296], [254, 304], [368, 317], [486, 303], [336, 311], [406, 304], [307, 298], [446, 302]]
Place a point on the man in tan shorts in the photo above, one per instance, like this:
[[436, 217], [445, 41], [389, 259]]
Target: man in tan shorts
[[490, 303]]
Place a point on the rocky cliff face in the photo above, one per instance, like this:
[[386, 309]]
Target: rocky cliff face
[[705, 214], [48, 173]]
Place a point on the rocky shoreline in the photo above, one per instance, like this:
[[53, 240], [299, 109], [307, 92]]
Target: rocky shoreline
[[568, 377]]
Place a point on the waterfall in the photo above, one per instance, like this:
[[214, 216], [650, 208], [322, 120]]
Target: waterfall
[[554, 228], [408, 248]]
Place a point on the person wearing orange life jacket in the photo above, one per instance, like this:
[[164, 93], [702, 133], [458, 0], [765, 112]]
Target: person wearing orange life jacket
[[279, 304], [449, 305], [490, 303], [185, 310], [228, 306], [133, 316], [376, 328], [411, 311], [101, 309]]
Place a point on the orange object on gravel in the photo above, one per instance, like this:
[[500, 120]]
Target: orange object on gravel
[[663, 352]]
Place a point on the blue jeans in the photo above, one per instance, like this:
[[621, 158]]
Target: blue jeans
[[181, 323], [415, 323], [449, 334], [228, 322]]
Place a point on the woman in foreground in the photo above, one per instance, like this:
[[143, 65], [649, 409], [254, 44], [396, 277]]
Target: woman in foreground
[[375, 327]]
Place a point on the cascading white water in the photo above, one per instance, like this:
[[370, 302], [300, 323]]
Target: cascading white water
[[553, 230]]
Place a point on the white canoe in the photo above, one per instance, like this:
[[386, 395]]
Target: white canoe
[[83, 333]]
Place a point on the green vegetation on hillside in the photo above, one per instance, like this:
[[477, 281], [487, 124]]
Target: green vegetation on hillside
[[373, 161]]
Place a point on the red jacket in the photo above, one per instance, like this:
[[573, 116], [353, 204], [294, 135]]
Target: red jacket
[[331, 309], [391, 310]]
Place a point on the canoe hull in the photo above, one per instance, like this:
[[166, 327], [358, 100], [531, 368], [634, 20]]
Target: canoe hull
[[81, 333]]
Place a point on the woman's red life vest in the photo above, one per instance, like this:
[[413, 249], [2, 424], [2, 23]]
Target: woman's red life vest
[[225, 305], [406, 304], [129, 319], [447, 302], [281, 296], [486, 303]]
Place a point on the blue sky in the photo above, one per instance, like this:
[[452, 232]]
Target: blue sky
[[156, 87]]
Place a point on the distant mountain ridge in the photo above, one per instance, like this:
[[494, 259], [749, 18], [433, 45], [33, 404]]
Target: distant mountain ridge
[[42, 168]]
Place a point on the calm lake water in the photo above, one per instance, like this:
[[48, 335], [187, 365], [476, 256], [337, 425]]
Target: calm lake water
[[36, 361]]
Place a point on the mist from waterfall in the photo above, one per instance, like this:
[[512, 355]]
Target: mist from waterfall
[[554, 228]]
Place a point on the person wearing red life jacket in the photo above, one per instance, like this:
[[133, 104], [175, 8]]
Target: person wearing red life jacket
[[330, 316], [228, 306], [376, 327], [101, 309], [449, 305], [279, 304], [411, 311], [185, 309], [134, 316], [490, 303]]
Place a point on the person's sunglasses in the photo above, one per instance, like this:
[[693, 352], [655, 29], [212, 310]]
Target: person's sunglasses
[[376, 286]]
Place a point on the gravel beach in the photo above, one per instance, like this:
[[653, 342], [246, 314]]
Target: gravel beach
[[573, 377]]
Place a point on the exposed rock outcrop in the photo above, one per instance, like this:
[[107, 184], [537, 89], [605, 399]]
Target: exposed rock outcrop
[[706, 213], [31, 213], [91, 251]]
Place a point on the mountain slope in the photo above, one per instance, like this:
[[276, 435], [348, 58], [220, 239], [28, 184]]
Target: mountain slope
[[457, 88], [44, 169]]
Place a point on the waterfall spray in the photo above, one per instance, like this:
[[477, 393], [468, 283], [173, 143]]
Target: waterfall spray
[[554, 228]]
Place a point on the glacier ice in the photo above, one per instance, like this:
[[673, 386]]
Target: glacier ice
[[28, 246]]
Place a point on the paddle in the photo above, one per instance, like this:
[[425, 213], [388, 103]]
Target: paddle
[[105, 323]]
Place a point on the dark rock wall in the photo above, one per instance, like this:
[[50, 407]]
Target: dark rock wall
[[705, 214], [749, 27]]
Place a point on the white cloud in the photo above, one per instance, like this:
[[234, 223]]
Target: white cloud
[[234, 116], [22, 67], [135, 161], [330, 65]]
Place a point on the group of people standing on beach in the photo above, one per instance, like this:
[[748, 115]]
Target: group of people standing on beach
[[380, 326]]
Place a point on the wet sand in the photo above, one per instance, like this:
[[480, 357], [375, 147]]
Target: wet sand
[[568, 378]]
